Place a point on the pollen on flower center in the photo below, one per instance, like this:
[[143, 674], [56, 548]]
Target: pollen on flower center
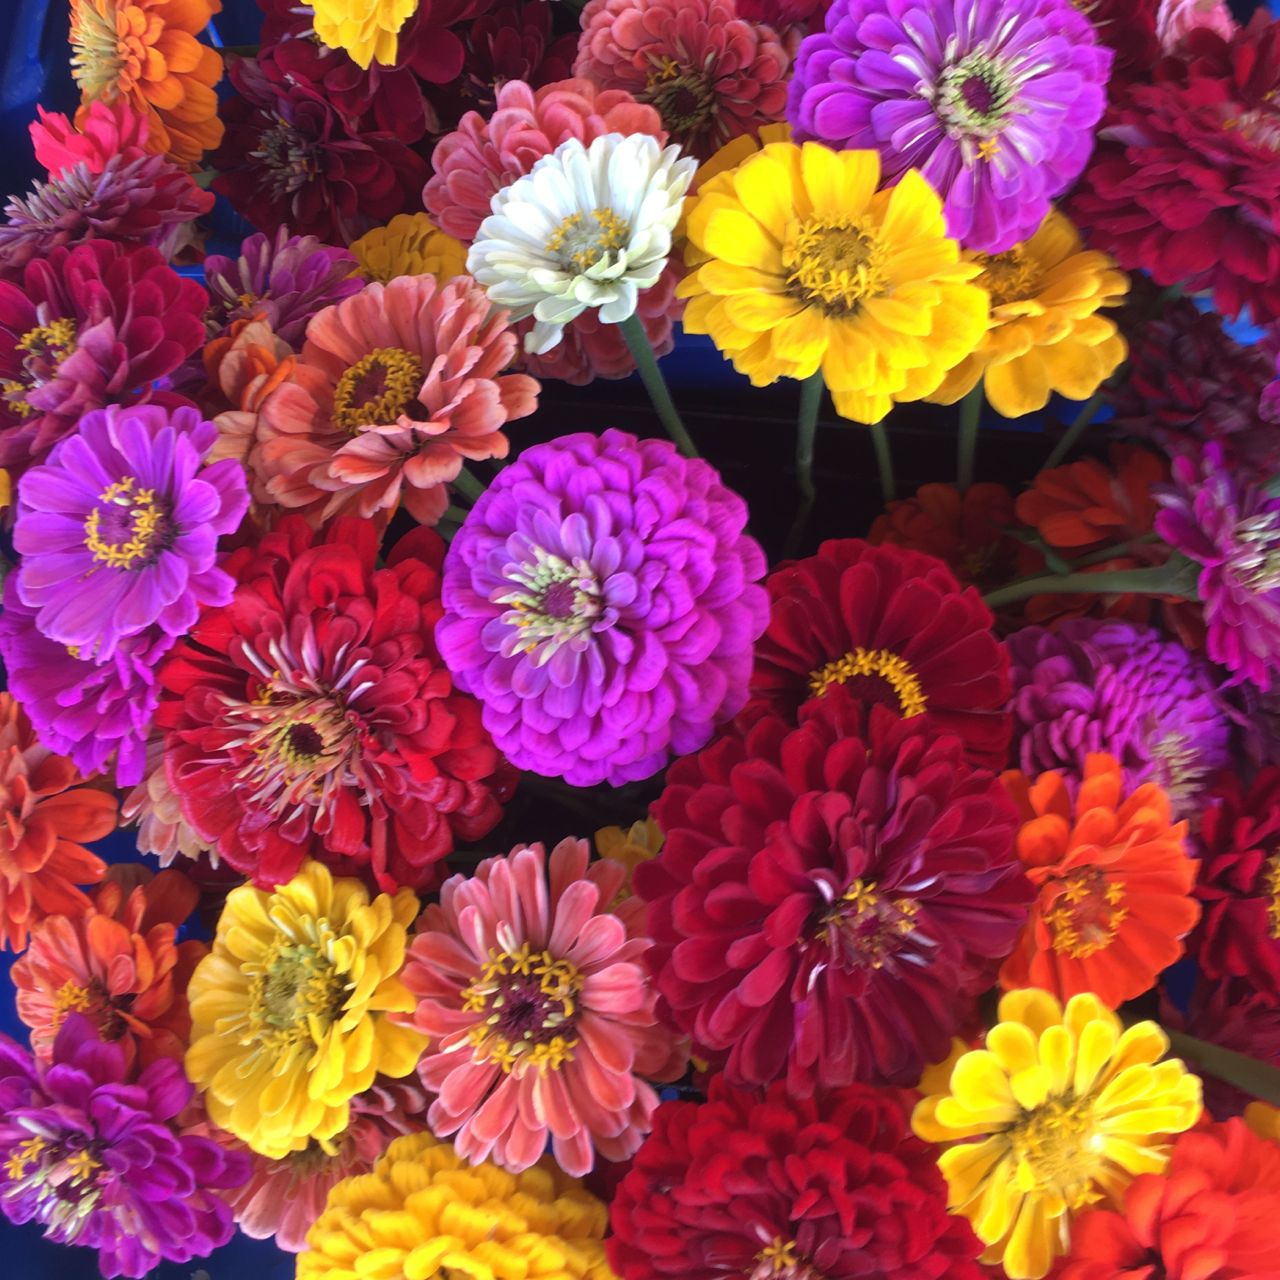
[[552, 603], [288, 156], [130, 528], [832, 262], [866, 927], [1056, 1148], [294, 986], [1012, 276], [685, 100], [1256, 560], [377, 389], [870, 675], [781, 1260], [584, 239], [975, 97], [1086, 913], [1271, 887], [45, 347]]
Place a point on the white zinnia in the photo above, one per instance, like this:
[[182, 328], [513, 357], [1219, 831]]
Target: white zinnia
[[585, 227]]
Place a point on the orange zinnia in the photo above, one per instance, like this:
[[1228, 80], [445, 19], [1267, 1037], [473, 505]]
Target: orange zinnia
[[1114, 881], [44, 815], [120, 964], [146, 51]]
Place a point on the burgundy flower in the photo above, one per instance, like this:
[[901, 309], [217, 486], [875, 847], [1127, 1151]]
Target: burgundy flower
[[1128, 27]]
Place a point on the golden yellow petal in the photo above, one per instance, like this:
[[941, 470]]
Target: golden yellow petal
[[734, 236], [839, 183]]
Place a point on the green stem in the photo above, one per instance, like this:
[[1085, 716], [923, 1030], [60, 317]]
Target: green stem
[[1167, 580], [1258, 1079], [1074, 431], [884, 461], [967, 444], [454, 515], [1110, 553], [468, 484], [811, 390], [655, 384]]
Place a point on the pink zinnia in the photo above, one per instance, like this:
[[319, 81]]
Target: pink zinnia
[[540, 1012], [104, 130]]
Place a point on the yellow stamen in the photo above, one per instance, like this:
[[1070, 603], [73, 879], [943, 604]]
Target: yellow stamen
[[82, 1166], [69, 998], [148, 523], [1271, 882], [1086, 914], [1012, 276], [377, 389], [583, 239], [889, 667], [833, 262]]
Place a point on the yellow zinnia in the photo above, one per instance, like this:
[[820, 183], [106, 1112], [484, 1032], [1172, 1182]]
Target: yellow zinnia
[[1046, 334], [289, 1010], [800, 263], [366, 29], [1067, 1106], [424, 1212], [409, 245]]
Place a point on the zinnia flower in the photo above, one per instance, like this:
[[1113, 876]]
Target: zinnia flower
[[640, 842], [290, 1010], [1114, 882], [812, 905], [47, 818], [771, 1186], [312, 716], [118, 530], [803, 265], [396, 389], [541, 1017], [1231, 529], [102, 131], [423, 1208], [1128, 28], [601, 603], [711, 75], [1060, 1108], [154, 808], [587, 227], [993, 102], [1091, 685], [1209, 1216], [366, 31], [409, 245], [119, 963], [894, 628], [103, 1160], [87, 327]]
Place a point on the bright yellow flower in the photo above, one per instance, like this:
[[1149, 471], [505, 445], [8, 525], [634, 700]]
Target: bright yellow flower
[[289, 1010], [366, 29], [641, 842], [1067, 1107], [1046, 334], [426, 1213], [801, 263], [409, 245]]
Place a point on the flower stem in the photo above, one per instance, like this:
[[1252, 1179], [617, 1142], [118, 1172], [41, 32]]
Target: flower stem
[[1074, 431], [967, 444], [655, 384], [811, 390], [884, 460], [468, 484], [1258, 1079], [1165, 580]]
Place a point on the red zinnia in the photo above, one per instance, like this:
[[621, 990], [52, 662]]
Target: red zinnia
[[313, 717], [771, 1187], [815, 907], [895, 628]]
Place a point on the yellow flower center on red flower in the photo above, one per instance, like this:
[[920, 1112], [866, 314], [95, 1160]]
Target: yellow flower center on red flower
[[1086, 913], [529, 1000], [869, 668], [1057, 1148], [584, 239], [832, 263], [1271, 885], [377, 389], [44, 348], [114, 47], [866, 927], [1012, 276], [781, 1260], [130, 527], [295, 993]]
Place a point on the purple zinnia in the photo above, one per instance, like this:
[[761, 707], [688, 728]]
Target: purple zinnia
[[1232, 530], [993, 101], [103, 1162], [1121, 688], [118, 531], [601, 603], [289, 278]]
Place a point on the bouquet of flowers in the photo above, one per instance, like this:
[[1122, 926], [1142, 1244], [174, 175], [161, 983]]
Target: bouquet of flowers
[[543, 871]]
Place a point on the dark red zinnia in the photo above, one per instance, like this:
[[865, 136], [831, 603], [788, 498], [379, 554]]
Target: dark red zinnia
[[828, 900], [896, 629], [1128, 27], [313, 717], [763, 1185]]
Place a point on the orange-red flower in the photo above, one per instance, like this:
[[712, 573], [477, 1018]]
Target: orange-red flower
[[146, 52], [119, 963], [1114, 881], [45, 814]]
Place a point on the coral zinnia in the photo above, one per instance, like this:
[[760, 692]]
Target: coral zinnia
[[994, 102], [396, 388], [46, 816], [711, 75], [312, 716], [424, 1210], [541, 1018], [409, 245], [1114, 883], [289, 1011], [802, 264], [146, 52], [812, 904], [1210, 1215], [777, 1188], [119, 963], [100, 1157], [1060, 1106], [601, 602], [895, 628]]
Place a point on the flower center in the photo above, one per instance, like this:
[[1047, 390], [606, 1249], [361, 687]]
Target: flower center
[[876, 676], [832, 263], [528, 999], [1259, 125], [58, 1178], [583, 240], [130, 528], [290, 157], [975, 99], [1271, 886], [45, 347], [1012, 276], [377, 389], [1179, 766], [865, 927], [781, 1260], [1056, 1149], [1086, 913], [1256, 560], [113, 47], [552, 603], [293, 984], [685, 99]]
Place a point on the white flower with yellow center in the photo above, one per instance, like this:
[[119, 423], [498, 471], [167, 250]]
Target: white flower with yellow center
[[587, 227]]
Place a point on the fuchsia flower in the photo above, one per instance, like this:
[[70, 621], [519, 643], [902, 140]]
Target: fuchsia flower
[[104, 130]]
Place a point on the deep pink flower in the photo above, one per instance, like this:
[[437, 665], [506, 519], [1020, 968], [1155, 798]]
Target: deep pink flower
[[104, 130]]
